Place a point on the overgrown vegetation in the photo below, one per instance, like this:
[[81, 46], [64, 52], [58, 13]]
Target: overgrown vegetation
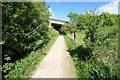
[[23, 68], [25, 37], [98, 57], [70, 27], [80, 37]]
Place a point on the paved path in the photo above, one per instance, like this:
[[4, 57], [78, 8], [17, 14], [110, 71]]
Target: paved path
[[57, 63]]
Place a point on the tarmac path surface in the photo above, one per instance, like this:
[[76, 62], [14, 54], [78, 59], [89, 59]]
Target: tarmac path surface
[[57, 63]]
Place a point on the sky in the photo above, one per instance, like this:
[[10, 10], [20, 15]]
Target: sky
[[60, 10]]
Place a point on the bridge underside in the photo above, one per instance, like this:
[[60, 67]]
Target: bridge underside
[[57, 26]]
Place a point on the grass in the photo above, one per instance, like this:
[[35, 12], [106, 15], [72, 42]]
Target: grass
[[25, 67], [94, 66], [78, 53], [71, 44], [80, 37]]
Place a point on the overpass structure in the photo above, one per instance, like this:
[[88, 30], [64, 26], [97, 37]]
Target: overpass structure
[[56, 23]]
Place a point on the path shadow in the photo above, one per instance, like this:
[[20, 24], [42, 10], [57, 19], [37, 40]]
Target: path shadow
[[96, 67], [17, 55], [81, 52]]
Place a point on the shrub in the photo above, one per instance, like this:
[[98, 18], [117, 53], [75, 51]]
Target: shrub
[[24, 24], [98, 58], [25, 67], [24, 29]]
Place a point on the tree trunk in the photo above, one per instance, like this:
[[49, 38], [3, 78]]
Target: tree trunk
[[74, 36]]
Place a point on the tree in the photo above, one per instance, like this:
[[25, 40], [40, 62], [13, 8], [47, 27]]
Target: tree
[[72, 25], [83, 20], [73, 16], [69, 27], [64, 28], [23, 25]]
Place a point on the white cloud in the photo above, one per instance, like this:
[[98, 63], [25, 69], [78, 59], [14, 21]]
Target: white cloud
[[112, 7], [51, 12]]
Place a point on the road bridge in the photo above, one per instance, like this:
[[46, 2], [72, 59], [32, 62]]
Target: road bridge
[[56, 23]]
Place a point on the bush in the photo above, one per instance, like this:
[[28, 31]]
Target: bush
[[24, 30], [25, 67], [24, 24], [98, 58]]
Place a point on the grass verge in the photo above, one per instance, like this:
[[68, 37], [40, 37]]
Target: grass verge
[[89, 66], [24, 68]]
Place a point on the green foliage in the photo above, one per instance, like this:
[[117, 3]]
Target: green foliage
[[80, 36], [23, 25], [69, 28], [73, 16], [89, 22], [64, 28], [23, 68], [53, 33], [70, 43], [98, 58], [25, 34]]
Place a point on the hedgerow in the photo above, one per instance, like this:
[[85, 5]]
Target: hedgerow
[[24, 31], [24, 24], [25, 67], [98, 57]]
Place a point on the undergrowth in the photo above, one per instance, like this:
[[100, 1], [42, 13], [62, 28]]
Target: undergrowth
[[97, 63], [23, 68]]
